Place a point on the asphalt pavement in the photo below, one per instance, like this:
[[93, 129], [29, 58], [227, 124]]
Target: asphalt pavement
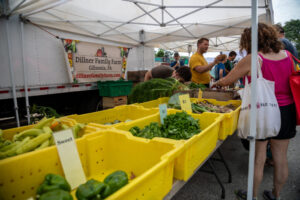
[[204, 186]]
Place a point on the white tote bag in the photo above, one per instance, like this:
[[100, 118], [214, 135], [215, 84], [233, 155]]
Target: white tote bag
[[268, 119]]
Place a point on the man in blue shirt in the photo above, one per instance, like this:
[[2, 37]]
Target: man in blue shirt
[[287, 44], [177, 62]]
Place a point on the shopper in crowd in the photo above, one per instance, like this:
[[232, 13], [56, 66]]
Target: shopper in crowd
[[182, 74], [177, 62], [220, 67], [199, 66], [287, 44], [276, 66], [229, 63]]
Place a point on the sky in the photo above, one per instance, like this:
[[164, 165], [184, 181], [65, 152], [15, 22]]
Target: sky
[[285, 10]]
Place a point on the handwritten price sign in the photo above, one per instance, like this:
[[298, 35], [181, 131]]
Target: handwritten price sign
[[185, 103]]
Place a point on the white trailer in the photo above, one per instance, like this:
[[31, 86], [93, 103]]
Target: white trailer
[[37, 62]]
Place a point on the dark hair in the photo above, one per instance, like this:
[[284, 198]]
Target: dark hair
[[279, 28], [232, 53], [185, 73], [267, 39], [176, 54], [201, 40]]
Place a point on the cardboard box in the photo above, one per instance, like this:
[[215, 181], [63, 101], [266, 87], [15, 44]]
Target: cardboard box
[[136, 76], [110, 102], [220, 95]]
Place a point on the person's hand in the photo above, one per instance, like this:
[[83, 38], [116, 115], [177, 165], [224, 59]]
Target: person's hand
[[216, 60], [216, 85]]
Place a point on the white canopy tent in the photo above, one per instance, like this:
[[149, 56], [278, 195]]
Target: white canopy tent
[[168, 24]]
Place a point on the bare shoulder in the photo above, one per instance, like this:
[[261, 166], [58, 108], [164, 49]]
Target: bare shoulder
[[275, 56]]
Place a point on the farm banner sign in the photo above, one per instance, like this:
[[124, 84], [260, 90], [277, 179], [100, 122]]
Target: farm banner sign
[[89, 62]]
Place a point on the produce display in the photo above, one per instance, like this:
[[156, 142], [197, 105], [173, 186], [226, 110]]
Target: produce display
[[200, 107], [94, 189], [176, 126], [38, 137], [197, 86], [54, 187], [117, 121], [155, 88]]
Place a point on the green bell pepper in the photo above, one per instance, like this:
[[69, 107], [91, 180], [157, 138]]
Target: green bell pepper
[[56, 195], [53, 182], [90, 190], [114, 182]]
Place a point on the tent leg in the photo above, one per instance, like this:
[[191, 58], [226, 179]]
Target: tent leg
[[213, 171], [253, 110], [25, 75], [217, 177], [12, 78], [222, 160]]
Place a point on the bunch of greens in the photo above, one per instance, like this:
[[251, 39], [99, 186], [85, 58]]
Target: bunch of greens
[[176, 126], [38, 112], [197, 86], [154, 88]]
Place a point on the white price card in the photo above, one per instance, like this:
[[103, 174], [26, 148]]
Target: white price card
[[162, 112], [69, 157]]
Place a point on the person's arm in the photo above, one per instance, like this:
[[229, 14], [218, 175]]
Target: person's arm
[[226, 67], [148, 76], [177, 64], [221, 73], [205, 68], [242, 69]]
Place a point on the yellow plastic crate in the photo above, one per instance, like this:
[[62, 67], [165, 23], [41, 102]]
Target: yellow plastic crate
[[154, 103], [228, 125], [230, 120], [151, 161], [196, 149], [121, 113], [9, 133]]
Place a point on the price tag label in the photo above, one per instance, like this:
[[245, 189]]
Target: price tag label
[[185, 103], [163, 112], [69, 158]]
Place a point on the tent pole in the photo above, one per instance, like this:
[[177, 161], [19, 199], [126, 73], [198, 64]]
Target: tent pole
[[270, 12], [16, 7], [128, 21], [207, 6], [12, 78], [47, 7], [162, 12], [25, 75], [140, 7], [253, 109]]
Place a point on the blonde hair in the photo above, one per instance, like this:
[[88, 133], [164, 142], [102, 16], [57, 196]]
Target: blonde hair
[[222, 57]]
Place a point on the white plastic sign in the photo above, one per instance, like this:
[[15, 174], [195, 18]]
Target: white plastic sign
[[163, 112], [69, 158]]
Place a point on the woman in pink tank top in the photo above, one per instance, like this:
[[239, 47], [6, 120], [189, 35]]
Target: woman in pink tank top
[[276, 66]]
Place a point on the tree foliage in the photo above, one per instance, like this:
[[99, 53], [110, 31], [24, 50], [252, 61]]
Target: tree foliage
[[292, 32], [160, 53]]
